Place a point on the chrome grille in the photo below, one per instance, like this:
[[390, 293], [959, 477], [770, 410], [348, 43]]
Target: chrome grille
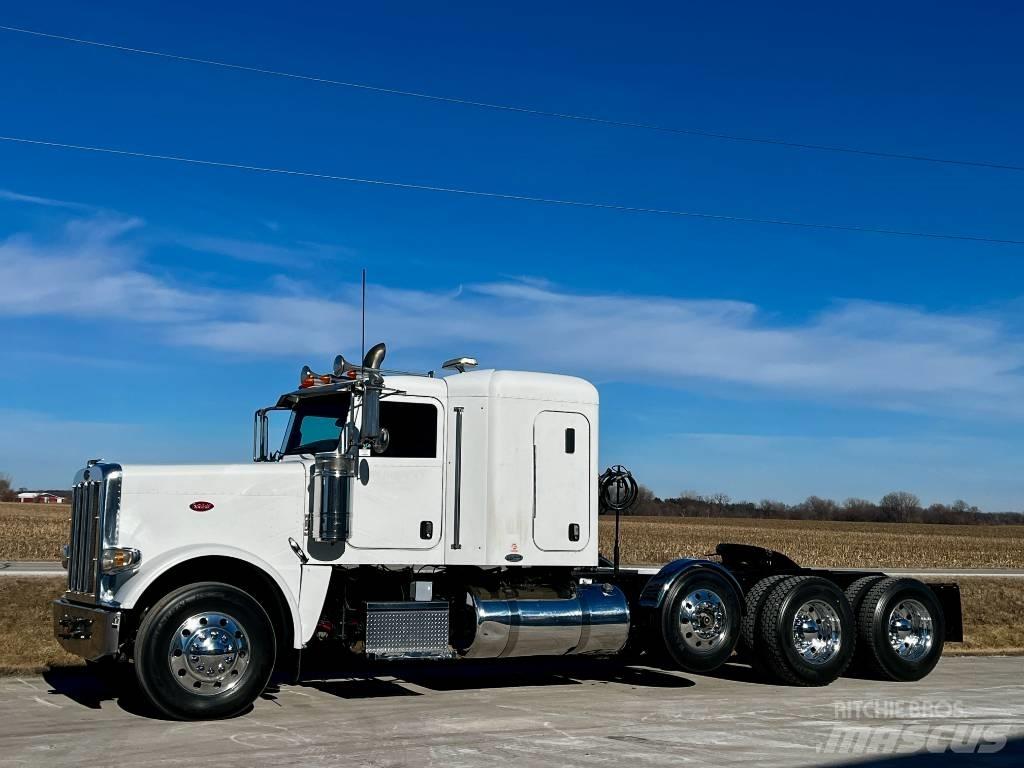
[[86, 537]]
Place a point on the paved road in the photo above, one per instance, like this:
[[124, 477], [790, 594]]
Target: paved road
[[556, 713], [30, 568], [50, 568]]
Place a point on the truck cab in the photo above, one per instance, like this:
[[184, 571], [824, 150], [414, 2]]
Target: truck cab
[[482, 468]]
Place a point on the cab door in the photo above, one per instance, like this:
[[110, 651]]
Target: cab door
[[399, 493], [561, 482]]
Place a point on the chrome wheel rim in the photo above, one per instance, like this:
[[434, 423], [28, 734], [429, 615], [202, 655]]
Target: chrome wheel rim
[[703, 620], [209, 653], [910, 630], [817, 632]]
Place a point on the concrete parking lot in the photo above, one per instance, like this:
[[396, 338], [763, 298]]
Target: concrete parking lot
[[550, 713]]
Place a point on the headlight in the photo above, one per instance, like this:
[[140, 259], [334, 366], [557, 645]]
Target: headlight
[[65, 556], [117, 559]]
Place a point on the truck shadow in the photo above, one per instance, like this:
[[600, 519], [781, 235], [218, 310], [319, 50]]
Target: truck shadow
[[413, 679], [89, 688]]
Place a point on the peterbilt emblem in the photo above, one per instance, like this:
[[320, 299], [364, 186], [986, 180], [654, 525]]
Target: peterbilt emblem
[[201, 506]]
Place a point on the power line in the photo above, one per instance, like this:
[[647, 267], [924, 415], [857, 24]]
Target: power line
[[529, 110], [506, 195]]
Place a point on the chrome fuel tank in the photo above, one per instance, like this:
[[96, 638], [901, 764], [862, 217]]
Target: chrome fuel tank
[[594, 621]]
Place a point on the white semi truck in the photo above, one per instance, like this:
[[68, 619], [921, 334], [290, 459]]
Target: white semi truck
[[421, 517]]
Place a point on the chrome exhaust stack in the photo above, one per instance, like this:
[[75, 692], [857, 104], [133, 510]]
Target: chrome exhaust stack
[[369, 433], [333, 474], [595, 622]]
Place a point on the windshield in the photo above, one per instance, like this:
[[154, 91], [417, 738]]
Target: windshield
[[316, 424]]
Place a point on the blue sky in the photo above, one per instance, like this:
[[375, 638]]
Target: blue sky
[[149, 307]]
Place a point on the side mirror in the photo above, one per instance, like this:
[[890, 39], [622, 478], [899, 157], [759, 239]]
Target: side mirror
[[262, 438], [380, 445]]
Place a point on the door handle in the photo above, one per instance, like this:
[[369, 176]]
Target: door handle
[[574, 531]]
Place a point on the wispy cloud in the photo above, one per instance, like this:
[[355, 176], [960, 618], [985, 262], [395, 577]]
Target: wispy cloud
[[882, 355], [10, 196], [300, 255], [87, 270]]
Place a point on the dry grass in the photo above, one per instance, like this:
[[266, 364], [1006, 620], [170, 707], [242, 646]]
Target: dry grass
[[26, 626], [33, 531], [993, 614], [823, 544]]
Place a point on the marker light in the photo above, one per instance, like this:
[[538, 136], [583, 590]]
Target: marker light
[[117, 559]]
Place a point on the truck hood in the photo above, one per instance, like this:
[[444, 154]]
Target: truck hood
[[223, 480], [167, 507]]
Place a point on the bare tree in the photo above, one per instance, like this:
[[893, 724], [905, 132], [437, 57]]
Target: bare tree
[[7, 493], [645, 502], [770, 508], [717, 503], [900, 506], [820, 509]]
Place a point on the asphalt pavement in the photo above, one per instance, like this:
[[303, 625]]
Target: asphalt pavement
[[545, 713]]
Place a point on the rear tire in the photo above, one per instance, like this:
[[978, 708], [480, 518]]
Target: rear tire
[[754, 601], [855, 593], [900, 630], [204, 651], [806, 632], [700, 621]]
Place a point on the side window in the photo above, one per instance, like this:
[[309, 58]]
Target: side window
[[412, 429]]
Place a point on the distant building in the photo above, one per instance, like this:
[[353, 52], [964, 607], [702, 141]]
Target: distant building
[[40, 497]]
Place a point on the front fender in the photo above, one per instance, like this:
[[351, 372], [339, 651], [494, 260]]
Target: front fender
[[287, 578], [654, 591]]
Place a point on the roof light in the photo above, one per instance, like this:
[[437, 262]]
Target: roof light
[[306, 377], [460, 364]]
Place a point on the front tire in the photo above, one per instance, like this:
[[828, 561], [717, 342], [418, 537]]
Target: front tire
[[805, 632], [901, 630], [204, 651], [700, 621]]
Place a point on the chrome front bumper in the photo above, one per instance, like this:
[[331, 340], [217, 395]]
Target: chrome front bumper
[[91, 633]]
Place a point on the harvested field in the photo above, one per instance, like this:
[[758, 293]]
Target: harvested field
[[648, 540], [33, 531], [27, 644], [37, 532]]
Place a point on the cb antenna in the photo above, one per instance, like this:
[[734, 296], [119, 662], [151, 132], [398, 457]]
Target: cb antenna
[[362, 351]]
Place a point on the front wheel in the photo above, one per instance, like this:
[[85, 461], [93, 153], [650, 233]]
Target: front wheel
[[700, 621], [204, 651]]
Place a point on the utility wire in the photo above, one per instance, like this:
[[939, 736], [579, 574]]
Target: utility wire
[[506, 195], [529, 110]]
